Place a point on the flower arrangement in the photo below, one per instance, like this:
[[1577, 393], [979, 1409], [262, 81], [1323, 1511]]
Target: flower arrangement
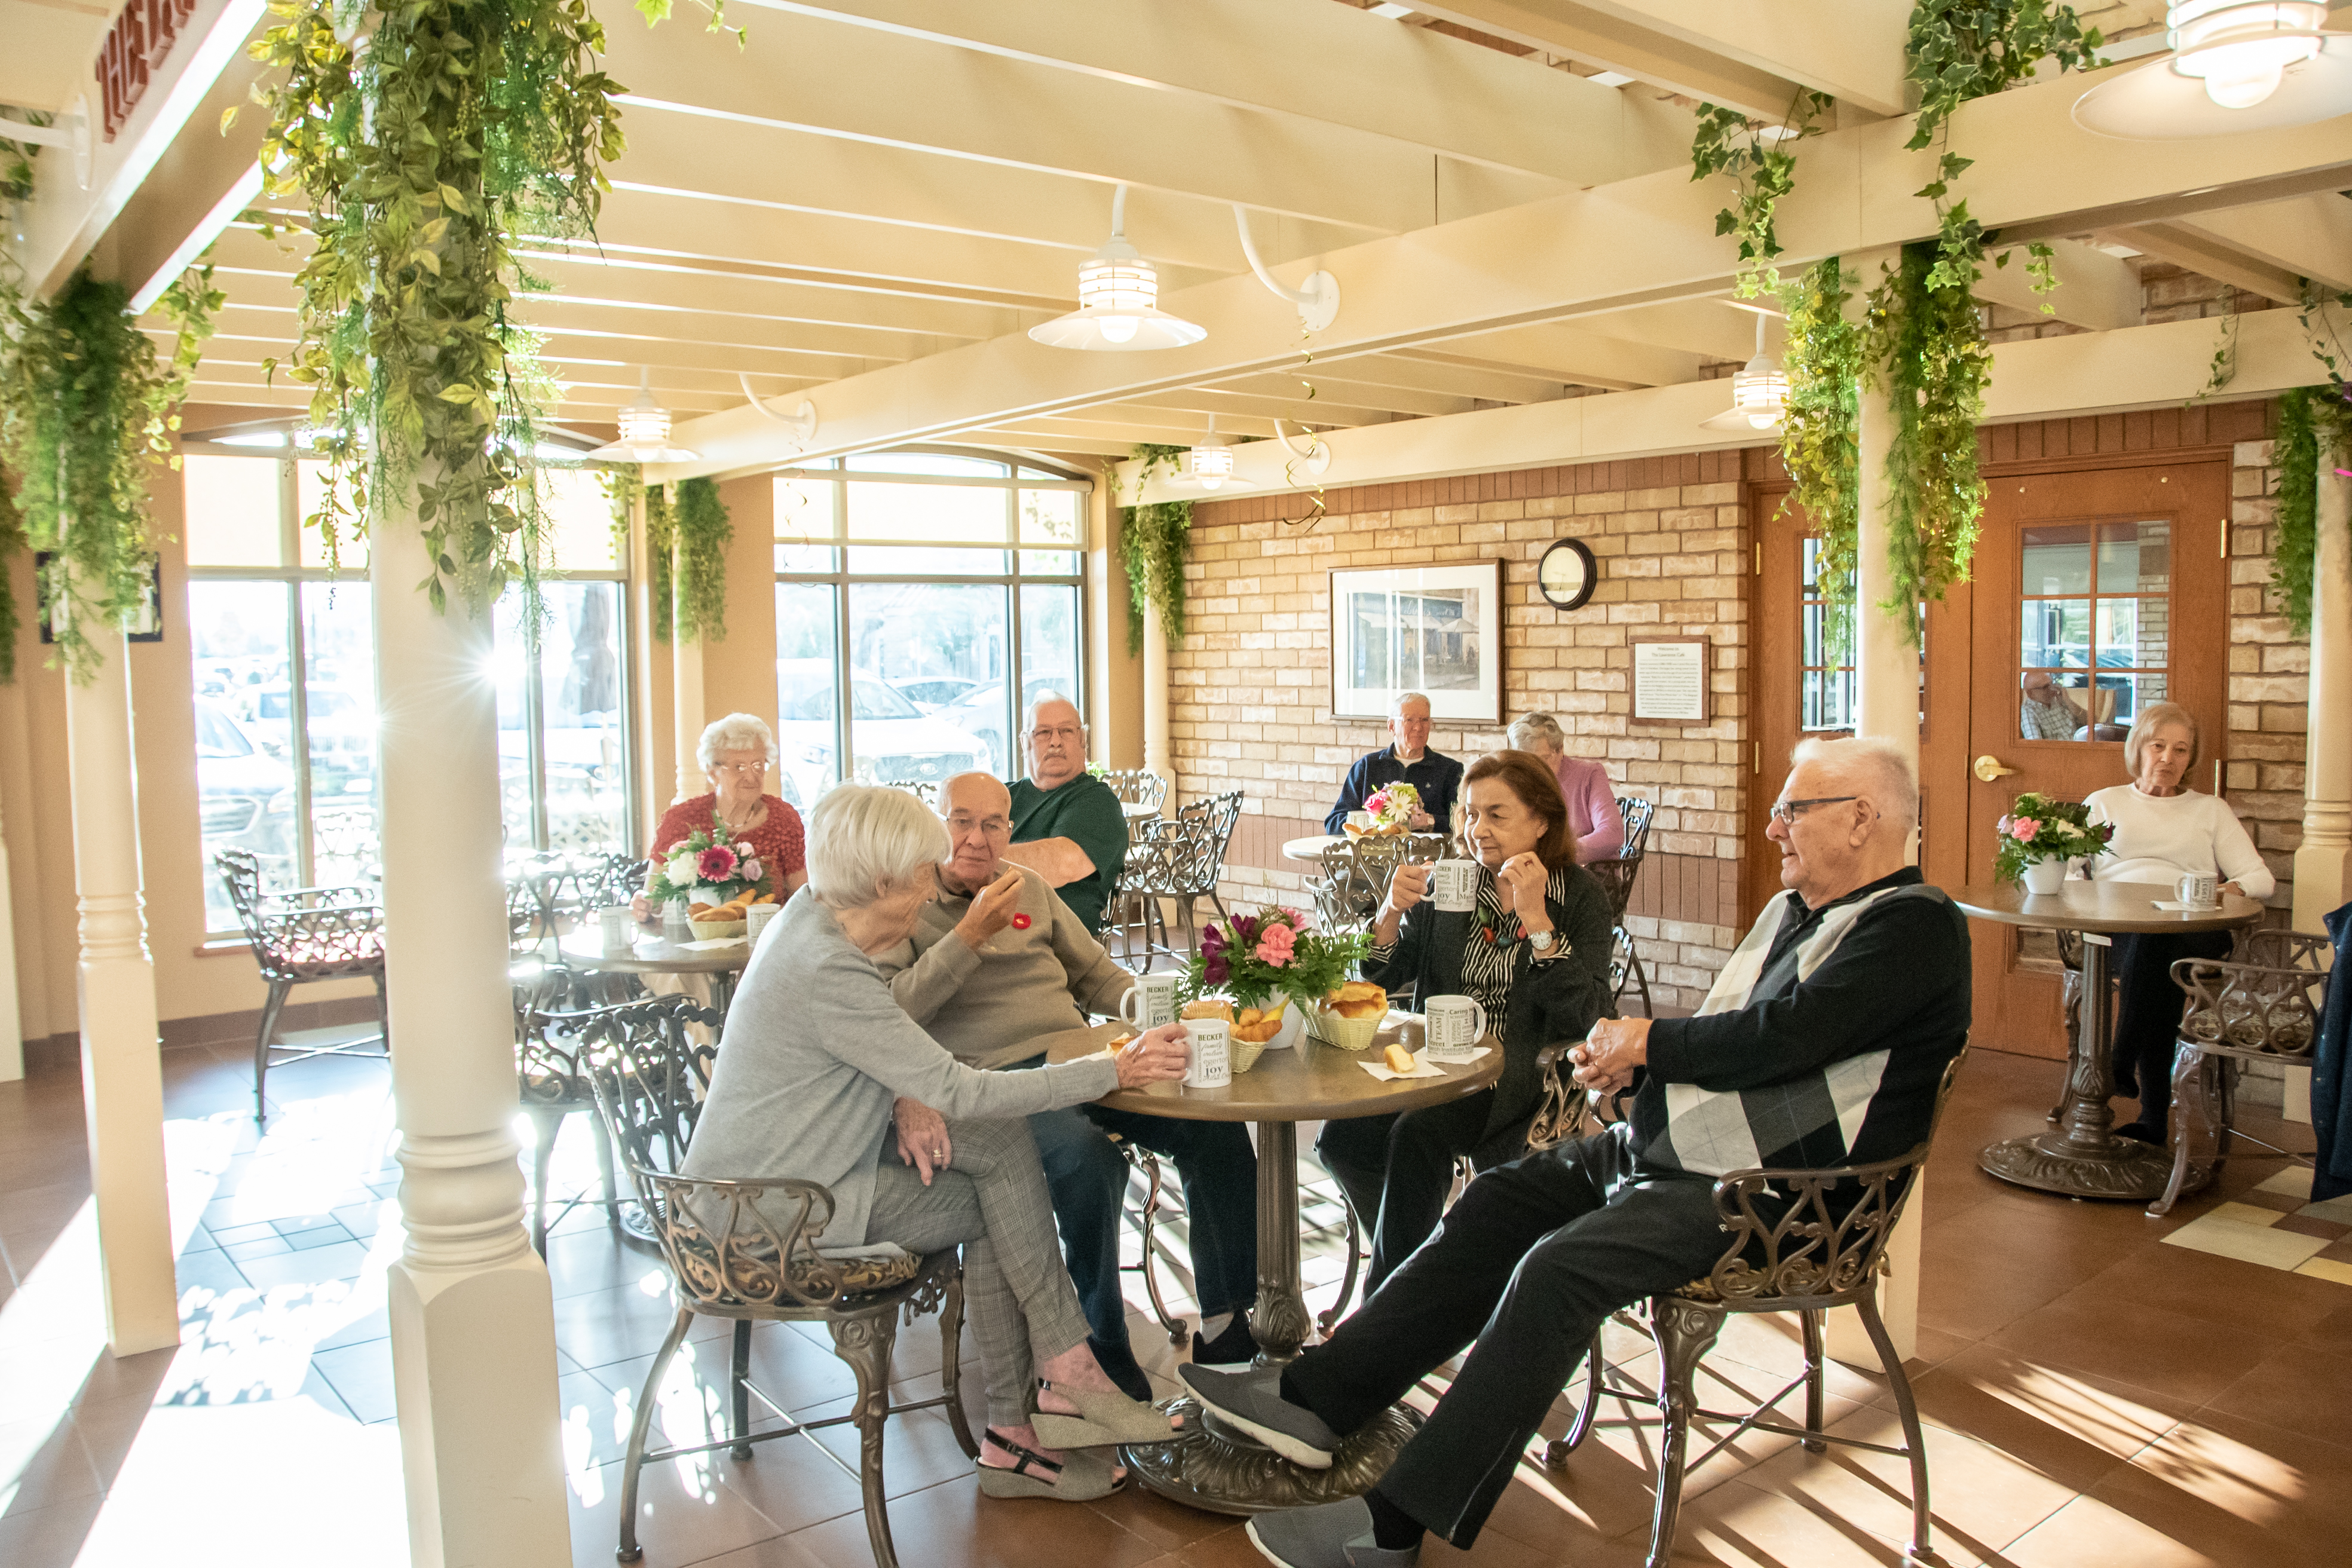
[[1393, 809], [704, 868], [2040, 829], [1254, 958]]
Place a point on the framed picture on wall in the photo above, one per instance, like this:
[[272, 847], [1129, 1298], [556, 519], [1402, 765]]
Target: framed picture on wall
[[146, 623], [1434, 629]]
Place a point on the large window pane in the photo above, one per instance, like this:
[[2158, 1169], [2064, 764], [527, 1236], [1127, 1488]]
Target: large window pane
[[581, 717], [232, 510], [943, 514], [245, 776], [310, 489], [1049, 646], [806, 511], [510, 667], [808, 730], [578, 516], [1049, 516], [2057, 559], [947, 463], [924, 631], [898, 561], [338, 705], [2135, 557]]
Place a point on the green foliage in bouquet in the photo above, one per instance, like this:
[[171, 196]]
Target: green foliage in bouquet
[[2039, 828], [1256, 957]]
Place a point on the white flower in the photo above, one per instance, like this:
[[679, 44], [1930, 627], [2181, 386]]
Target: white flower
[[680, 871]]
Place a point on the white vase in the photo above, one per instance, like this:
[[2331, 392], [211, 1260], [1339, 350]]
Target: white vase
[[2043, 878]]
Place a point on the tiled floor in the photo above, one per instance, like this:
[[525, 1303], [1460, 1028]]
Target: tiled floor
[[2102, 1388]]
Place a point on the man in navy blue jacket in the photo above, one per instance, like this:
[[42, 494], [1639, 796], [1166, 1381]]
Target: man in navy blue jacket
[[1408, 758], [1822, 1044]]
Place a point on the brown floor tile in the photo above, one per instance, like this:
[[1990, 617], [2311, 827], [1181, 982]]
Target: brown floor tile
[[2301, 1226], [2251, 1485], [953, 1526], [1748, 1527], [2297, 1388], [1167, 1526], [684, 1515], [48, 1537], [2091, 1533], [2071, 1426], [2146, 1347], [2225, 1291]]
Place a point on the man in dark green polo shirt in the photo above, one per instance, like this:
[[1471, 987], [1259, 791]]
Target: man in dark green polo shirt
[[1066, 825]]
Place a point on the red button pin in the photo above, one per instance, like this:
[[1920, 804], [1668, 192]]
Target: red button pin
[[1019, 922]]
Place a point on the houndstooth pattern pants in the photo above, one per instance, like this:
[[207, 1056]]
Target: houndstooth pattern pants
[[992, 1199]]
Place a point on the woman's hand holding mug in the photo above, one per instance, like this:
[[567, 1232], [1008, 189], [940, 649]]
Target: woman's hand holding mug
[[1155, 1056]]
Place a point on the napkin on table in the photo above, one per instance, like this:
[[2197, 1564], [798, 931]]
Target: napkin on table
[[1421, 1065]]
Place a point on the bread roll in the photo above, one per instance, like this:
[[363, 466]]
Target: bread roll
[[1399, 1059], [1208, 1007]]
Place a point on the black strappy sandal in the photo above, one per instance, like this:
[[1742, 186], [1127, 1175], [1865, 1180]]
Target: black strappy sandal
[[1081, 1478]]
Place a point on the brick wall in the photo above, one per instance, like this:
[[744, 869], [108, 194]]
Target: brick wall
[[1251, 699], [2269, 675]]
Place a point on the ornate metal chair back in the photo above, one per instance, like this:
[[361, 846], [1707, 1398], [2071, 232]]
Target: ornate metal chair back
[[303, 934], [1137, 786], [1635, 813], [2266, 1001], [1219, 815], [925, 790]]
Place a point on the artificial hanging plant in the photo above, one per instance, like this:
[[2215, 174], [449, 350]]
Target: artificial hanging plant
[[1153, 541], [1820, 433], [2314, 425], [88, 408], [420, 153], [702, 530], [1763, 169]]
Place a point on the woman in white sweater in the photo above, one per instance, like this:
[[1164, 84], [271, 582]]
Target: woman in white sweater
[[2163, 832]]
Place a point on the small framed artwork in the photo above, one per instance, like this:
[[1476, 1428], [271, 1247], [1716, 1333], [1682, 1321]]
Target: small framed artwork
[[146, 623], [1433, 629], [1568, 575], [1670, 683]]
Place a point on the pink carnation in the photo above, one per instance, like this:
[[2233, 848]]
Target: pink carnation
[[1379, 802], [2023, 829], [1276, 946], [716, 864]]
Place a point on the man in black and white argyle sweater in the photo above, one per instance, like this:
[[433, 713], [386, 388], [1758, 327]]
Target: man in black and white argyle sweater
[[1822, 1044]]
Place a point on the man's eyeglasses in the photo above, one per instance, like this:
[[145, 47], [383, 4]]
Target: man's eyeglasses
[[1061, 734], [993, 827], [1786, 812]]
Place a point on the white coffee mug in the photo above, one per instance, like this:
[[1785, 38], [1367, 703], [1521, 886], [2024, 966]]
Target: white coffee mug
[[1361, 821], [2200, 891], [674, 919], [1456, 1025], [756, 918], [1152, 1002], [616, 919], [1453, 886], [1211, 1042]]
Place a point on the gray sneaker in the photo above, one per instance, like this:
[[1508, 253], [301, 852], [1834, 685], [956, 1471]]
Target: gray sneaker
[[1253, 1402], [1329, 1535]]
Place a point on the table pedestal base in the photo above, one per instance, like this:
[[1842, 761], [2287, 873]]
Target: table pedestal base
[[1222, 1471], [2124, 1170]]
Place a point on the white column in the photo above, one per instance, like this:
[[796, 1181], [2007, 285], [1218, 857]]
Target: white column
[[1886, 707], [2323, 866], [122, 1063], [1155, 752], [12, 1031], [686, 687], [472, 1329]]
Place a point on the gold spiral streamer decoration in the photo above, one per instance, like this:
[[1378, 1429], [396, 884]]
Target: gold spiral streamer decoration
[[1316, 511]]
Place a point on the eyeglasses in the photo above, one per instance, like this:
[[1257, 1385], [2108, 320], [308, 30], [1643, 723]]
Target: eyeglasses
[[1064, 733], [994, 826], [1786, 812], [740, 770]]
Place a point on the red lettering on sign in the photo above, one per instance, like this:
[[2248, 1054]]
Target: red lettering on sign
[[135, 48]]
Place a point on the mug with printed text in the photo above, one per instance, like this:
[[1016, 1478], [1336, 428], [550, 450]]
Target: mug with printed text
[[1150, 1003], [2201, 890], [1453, 886], [1455, 1025], [1211, 1041], [619, 927]]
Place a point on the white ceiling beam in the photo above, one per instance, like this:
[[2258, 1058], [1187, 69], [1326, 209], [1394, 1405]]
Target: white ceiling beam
[[2095, 289], [1570, 352], [1412, 369], [1710, 329], [855, 82], [2081, 374], [1616, 246], [2202, 251], [1752, 57], [1335, 386], [2305, 236], [50, 45], [1319, 62]]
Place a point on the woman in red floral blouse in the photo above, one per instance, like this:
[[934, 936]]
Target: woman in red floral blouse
[[735, 754]]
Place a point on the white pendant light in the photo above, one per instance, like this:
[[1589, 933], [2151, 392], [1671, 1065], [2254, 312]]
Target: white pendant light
[[2236, 65], [645, 431], [1759, 391], [1118, 301], [1210, 465]]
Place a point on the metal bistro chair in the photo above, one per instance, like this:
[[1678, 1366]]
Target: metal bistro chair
[[302, 934], [1137, 786], [1616, 877], [1356, 876], [1825, 1249], [2262, 1004], [552, 1076], [746, 1251], [925, 790]]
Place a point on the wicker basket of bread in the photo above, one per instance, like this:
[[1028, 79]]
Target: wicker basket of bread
[[1251, 1029], [716, 922], [1350, 1016]]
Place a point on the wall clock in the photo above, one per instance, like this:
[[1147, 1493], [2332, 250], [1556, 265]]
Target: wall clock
[[1568, 575]]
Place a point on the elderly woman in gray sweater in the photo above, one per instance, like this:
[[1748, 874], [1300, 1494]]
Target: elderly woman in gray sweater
[[814, 1056]]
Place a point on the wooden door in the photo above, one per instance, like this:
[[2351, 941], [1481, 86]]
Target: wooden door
[[2096, 591]]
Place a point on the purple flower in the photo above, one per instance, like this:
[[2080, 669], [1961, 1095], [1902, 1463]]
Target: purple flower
[[1213, 939], [1214, 970], [1246, 931]]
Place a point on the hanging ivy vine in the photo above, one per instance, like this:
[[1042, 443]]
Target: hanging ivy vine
[[702, 532], [661, 556], [624, 486], [1154, 541], [1819, 434], [88, 409], [420, 152], [1763, 169], [2314, 429]]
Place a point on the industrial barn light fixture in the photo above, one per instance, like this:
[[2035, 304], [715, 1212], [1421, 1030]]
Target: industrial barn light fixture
[[2236, 65], [1118, 301]]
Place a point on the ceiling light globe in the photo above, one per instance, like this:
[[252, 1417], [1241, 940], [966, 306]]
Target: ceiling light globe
[[1118, 328], [2241, 84], [1211, 465], [645, 425]]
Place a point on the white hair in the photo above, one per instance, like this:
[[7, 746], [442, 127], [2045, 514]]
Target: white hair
[[736, 733], [1396, 704], [1528, 728], [864, 838], [1029, 714], [1881, 771]]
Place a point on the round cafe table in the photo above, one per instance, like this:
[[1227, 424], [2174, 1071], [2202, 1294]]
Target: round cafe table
[[2081, 1157], [652, 953], [1310, 849], [1214, 1467]]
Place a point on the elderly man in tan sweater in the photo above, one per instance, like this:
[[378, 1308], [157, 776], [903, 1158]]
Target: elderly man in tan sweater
[[997, 1001]]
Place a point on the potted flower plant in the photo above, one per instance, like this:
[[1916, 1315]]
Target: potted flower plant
[[1261, 965], [718, 880], [2041, 837], [1393, 809]]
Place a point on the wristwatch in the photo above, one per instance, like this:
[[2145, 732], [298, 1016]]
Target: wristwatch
[[1541, 943]]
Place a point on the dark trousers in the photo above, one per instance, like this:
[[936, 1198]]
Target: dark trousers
[[1529, 1263], [2147, 1012], [1397, 1169], [1087, 1176]]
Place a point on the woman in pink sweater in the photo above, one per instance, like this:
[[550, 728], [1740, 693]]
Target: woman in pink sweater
[[1592, 813]]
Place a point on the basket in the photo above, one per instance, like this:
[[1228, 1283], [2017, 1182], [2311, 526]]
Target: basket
[[1246, 1052], [718, 931], [1347, 1034]]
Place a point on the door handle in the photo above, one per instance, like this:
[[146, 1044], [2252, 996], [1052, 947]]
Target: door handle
[[1988, 768]]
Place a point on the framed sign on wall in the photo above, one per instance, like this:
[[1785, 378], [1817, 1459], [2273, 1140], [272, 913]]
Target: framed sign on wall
[[1433, 629], [1670, 681]]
